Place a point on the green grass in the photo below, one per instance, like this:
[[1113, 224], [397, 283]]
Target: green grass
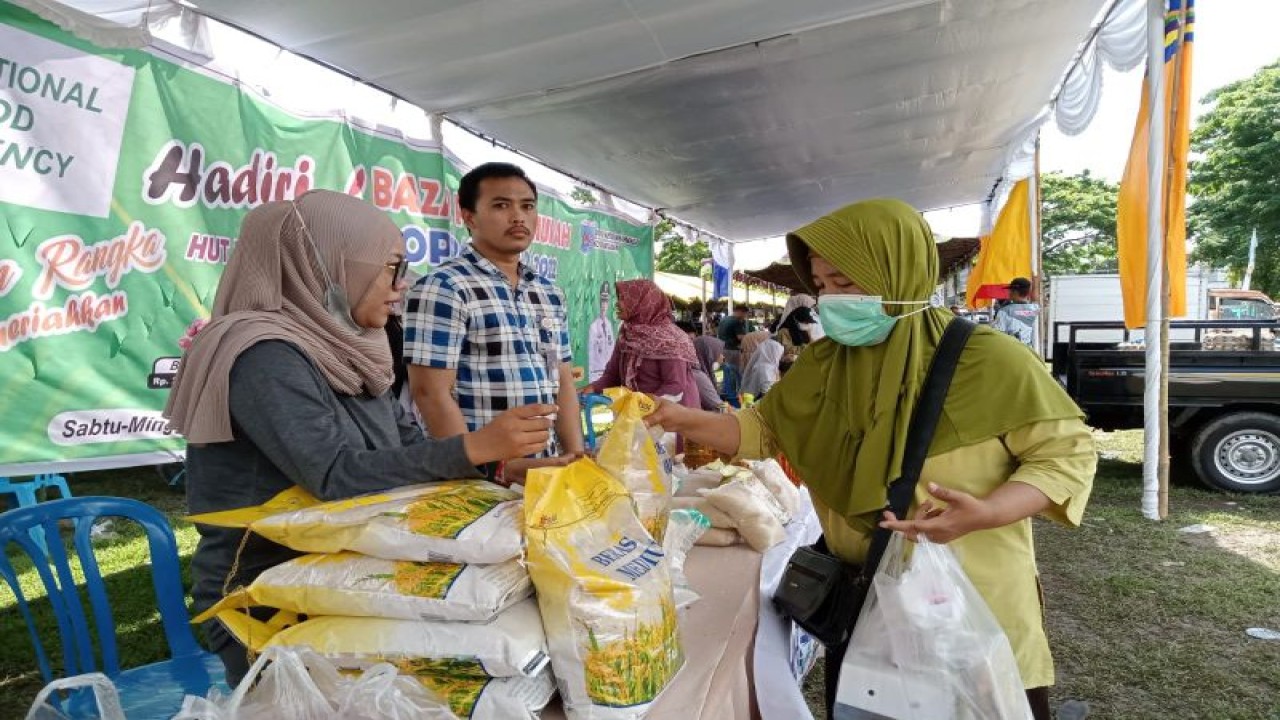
[[123, 562], [1148, 622]]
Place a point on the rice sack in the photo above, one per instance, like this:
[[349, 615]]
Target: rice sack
[[631, 453], [357, 585], [513, 644], [604, 588], [457, 521], [473, 695]]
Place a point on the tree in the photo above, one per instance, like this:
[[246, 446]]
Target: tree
[[1078, 223], [674, 256], [1235, 178], [583, 195]]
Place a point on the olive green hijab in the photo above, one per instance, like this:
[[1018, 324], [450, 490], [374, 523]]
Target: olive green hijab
[[841, 414]]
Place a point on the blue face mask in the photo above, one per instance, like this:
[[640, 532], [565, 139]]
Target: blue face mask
[[860, 320]]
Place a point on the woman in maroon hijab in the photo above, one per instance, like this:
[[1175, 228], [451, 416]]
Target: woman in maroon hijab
[[653, 354]]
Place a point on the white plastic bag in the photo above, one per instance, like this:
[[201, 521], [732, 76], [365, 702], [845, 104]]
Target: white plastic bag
[[294, 683], [926, 646], [104, 693]]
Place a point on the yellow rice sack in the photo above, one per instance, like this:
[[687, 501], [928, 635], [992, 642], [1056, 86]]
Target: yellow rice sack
[[357, 585], [604, 588], [631, 453], [512, 644], [458, 521], [473, 695]]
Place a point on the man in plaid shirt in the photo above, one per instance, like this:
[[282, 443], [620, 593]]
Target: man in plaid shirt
[[483, 332]]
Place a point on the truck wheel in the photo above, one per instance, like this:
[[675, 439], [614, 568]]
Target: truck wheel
[[1239, 452]]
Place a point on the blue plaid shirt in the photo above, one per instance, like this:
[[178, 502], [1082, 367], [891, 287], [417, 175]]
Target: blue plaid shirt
[[505, 343]]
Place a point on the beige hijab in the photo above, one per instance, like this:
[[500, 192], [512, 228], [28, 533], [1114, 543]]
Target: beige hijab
[[273, 289]]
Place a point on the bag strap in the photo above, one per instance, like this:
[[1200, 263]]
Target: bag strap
[[924, 420]]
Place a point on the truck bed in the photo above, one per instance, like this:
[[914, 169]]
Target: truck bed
[[1107, 378]]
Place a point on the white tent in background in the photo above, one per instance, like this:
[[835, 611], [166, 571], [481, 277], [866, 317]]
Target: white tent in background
[[745, 118], [689, 288]]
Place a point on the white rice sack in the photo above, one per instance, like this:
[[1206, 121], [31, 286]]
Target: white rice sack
[[719, 537], [473, 695], [758, 515], [697, 480], [462, 521], [714, 515], [513, 644], [355, 585], [771, 474]]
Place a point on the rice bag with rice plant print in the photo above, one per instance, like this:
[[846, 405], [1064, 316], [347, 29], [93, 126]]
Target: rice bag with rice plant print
[[604, 589], [456, 521], [357, 585]]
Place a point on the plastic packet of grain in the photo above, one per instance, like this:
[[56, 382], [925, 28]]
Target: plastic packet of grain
[[604, 588], [683, 531], [472, 695], [512, 644], [458, 521], [633, 455], [357, 585]]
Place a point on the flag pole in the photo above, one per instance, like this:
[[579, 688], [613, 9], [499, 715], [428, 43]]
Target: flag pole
[[1166, 282], [1152, 416]]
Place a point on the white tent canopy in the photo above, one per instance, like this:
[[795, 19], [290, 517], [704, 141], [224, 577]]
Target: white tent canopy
[[743, 117], [689, 288]]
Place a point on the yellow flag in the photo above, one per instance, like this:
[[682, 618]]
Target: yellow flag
[[1005, 254], [1131, 208]]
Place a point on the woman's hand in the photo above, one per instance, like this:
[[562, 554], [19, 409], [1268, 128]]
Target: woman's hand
[[515, 433], [670, 415], [962, 515], [514, 472], [715, 430]]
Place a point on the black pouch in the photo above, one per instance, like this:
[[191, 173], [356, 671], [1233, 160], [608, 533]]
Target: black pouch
[[822, 594]]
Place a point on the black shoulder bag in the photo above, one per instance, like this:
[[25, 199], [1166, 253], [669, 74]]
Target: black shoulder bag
[[823, 594]]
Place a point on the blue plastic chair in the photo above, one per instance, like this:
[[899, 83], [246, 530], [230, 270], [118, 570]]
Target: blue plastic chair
[[149, 691], [25, 492], [589, 402]]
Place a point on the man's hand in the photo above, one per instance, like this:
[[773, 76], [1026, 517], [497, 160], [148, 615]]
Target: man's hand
[[962, 515], [513, 434]]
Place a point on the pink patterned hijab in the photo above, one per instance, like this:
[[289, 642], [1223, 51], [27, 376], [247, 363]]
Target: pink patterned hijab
[[648, 331]]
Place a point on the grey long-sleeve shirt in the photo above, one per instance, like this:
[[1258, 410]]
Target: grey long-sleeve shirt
[[291, 428]]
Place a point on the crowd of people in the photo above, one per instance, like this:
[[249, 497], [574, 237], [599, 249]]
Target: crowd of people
[[294, 382]]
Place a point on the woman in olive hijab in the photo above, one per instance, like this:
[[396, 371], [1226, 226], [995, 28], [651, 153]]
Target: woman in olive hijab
[[1010, 443]]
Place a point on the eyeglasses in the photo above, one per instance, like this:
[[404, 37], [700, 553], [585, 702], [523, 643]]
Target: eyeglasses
[[399, 269]]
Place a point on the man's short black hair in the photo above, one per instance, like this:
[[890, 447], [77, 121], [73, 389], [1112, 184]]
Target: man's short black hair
[[1020, 285], [741, 308], [469, 187]]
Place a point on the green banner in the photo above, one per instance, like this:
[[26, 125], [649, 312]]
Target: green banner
[[124, 176]]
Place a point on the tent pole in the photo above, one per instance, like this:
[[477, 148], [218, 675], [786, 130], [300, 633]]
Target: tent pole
[[704, 303], [1154, 370], [1037, 249]]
